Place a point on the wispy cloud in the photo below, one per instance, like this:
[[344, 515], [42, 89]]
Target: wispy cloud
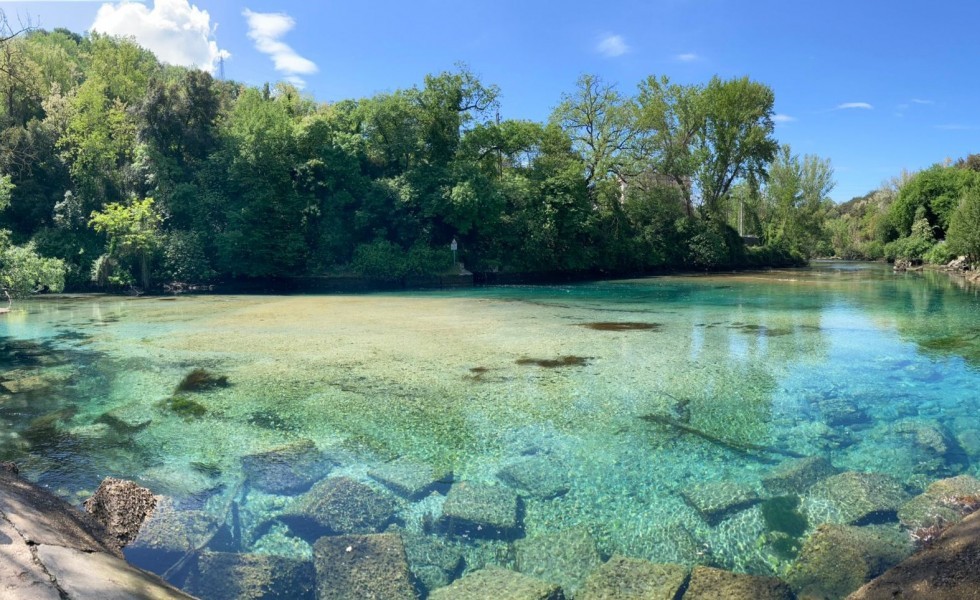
[[266, 29], [781, 118], [956, 127], [612, 45], [849, 105], [687, 57], [921, 101], [177, 31]]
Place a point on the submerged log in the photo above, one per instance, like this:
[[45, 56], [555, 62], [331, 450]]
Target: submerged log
[[744, 448]]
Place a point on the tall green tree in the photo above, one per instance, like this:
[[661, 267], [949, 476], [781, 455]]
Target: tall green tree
[[133, 232]]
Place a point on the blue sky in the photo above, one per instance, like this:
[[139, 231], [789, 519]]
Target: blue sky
[[876, 86]]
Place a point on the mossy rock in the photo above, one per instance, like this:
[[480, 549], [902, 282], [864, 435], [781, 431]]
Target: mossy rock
[[201, 380], [499, 584], [565, 557], [289, 469], [622, 578], [708, 583], [350, 567], [232, 576], [184, 406], [838, 559], [855, 498], [479, 510], [339, 505], [935, 505]]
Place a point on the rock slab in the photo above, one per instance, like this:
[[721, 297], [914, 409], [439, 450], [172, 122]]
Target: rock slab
[[410, 479], [289, 469], [231, 576], [339, 505], [478, 510], [565, 557], [855, 498], [717, 501]]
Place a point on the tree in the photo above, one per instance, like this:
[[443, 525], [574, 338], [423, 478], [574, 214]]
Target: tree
[[796, 194], [22, 270], [735, 140], [938, 191], [133, 231], [963, 236], [601, 124]]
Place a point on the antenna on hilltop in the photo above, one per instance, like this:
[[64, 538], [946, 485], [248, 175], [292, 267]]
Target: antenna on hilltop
[[221, 67]]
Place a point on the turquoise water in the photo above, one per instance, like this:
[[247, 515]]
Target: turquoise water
[[605, 407]]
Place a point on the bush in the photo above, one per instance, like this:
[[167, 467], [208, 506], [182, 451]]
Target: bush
[[964, 229], [185, 258], [940, 254], [390, 262]]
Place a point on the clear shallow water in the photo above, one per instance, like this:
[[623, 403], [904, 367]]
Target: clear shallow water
[[840, 361]]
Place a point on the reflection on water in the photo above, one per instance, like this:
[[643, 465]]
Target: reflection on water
[[662, 419]]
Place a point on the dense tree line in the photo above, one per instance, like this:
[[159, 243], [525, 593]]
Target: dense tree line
[[930, 216], [131, 172]]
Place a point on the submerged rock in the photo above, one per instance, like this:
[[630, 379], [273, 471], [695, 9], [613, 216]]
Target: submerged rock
[[566, 557], [499, 584], [854, 498], [937, 505], [337, 506], [478, 510], [624, 578], [838, 559], [716, 501], [796, 476], [129, 418], [434, 561], [410, 479], [168, 534], [945, 571], [231, 576], [122, 507], [540, 476], [708, 583], [288, 469], [355, 567]]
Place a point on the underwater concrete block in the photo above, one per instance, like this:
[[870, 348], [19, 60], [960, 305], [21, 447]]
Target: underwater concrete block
[[499, 584], [797, 475], [565, 557], [410, 479], [716, 501], [289, 469], [854, 498], [622, 578], [434, 560], [480, 510], [838, 559], [354, 567], [708, 583], [540, 476], [338, 505], [232, 576]]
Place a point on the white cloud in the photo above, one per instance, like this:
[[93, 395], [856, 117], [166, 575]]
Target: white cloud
[[920, 101], [861, 105], [687, 57], [265, 29], [781, 118], [612, 46], [177, 31]]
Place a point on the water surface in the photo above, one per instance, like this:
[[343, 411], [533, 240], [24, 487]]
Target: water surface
[[840, 361]]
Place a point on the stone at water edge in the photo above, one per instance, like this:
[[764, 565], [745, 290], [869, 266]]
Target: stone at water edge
[[356, 567], [854, 498], [708, 583], [622, 578], [410, 479], [797, 475], [339, 505], [122, 507], [169, 534], [948, 570], [566, 557], [499, 584], [480, 510], [231, 576], [838, 559], [433, 560], [936, 506], [716, 501], [21, 578]]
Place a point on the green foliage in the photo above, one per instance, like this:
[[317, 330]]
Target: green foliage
[[133, 231], [964, 232], [936, 191], [23, 271], [796, 196], [185, 258], [940, 254]]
